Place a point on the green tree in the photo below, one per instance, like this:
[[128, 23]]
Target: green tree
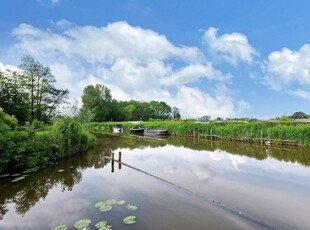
[[97, 101], [299, 115], [160, 110], [284, 118], [43, 96], [13, 95], [176, 113]]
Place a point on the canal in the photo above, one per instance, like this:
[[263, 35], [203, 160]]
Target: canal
[[174, 183]]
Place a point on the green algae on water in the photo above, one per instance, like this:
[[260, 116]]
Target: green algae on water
[[103, 225], [82, 224], [131, 207], [129, 220], [61, 227]]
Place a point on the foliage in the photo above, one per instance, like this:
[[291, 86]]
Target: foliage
[[284, 118], [43, 96], [96, 101], [98, 106], [276, 130], [22, 148], [299, 115], [30, 93], [13, 95]]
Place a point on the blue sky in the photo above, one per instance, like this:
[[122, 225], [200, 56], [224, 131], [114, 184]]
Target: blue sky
[[221, 58]]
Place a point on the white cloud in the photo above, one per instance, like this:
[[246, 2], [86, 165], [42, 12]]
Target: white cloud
[[63, 24], [135, 63], [8, 68], [286, 67], [300, 93], [49, 2], [233, 47]]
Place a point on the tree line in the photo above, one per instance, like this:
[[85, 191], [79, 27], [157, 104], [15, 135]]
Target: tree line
[[98, 106]]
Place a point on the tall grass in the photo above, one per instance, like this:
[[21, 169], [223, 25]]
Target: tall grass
[[298, 132]]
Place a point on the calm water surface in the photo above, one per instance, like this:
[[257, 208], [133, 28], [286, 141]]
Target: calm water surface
[[177, 183]]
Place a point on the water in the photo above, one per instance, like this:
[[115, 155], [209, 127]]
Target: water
[[177, 183]]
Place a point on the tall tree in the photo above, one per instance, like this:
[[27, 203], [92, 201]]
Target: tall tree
[[13, 96], [176, 113], [96, 101], [44, 97], [299, 115]]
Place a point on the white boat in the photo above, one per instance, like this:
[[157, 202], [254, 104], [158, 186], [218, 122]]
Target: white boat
[[118, 128], [160, 132]]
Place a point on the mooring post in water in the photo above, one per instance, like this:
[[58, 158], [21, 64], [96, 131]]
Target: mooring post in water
[[211, 135], [119, 160], [112, 163]]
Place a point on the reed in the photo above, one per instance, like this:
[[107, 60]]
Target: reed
[[295, 133]]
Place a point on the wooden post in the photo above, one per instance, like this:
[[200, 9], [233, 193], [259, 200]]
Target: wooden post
[[211, 135], [112, 163], [119, 160]]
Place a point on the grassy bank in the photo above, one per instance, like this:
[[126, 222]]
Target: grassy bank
[[23, 147], [277, 132]]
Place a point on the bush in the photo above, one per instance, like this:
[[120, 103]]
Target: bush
[[21, 149]]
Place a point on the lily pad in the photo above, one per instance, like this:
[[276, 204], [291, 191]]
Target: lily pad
[[103, 206], [111, 201], [61, 170], [31, 170], [18, 179], [129, 220], [131, 207], [61, 227], [103, 225], [16, 174], [121, 202], [72, 167], [5, 175], [82, 224]]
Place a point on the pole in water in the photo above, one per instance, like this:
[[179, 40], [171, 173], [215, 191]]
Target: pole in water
[[119, 160], [112, 163]]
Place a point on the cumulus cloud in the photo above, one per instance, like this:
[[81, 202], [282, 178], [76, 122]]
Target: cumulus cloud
[[300, 93], [135, 63], [8, 68], [233, 47], [287, 67]]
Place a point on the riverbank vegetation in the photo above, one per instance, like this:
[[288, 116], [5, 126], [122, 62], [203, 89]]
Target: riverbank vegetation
[[278, 132], [30, 133]]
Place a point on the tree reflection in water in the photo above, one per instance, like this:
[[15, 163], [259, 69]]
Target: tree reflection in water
[[26, 193]]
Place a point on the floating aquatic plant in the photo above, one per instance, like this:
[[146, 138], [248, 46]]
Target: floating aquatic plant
[[111, 202], [18, 179], [103, 225], [61, 227], [72, 167], [16, 174], [5, 175], [121, 202], [129, 220], [31, 170], [103, 206], [131, 207], [82, 224], [61, 170]]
